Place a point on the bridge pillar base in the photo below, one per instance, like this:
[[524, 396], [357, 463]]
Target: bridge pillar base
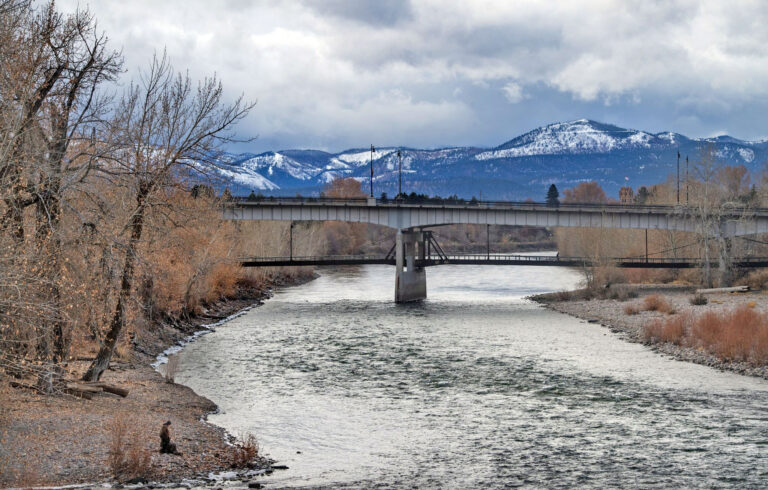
[[410, 280]]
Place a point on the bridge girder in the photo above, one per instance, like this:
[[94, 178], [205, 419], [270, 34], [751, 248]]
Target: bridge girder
[[412, 216]]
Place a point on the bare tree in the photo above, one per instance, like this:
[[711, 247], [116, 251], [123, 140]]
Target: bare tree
[[165, 124]]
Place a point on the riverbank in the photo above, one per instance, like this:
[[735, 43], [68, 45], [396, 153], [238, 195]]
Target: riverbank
[[611, 314], [59, 440]]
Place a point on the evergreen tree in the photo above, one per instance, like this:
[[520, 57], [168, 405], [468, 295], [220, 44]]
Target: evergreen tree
[[552, 197], [642, 195]]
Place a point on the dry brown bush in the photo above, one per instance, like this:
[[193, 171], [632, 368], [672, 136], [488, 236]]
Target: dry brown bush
[[739, 334], [631, 309], [655, 302], [245, 450], [127, 457], [669, 330], [757, 279]]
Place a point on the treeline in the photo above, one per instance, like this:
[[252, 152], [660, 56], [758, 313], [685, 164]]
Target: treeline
[[100, 235], [710, 191]]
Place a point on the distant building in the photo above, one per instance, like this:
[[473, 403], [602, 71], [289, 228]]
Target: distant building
[[626, 195]]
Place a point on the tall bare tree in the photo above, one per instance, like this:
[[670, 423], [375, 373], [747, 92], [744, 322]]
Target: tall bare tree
[[166, 124]]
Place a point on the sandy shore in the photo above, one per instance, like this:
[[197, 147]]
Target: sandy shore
[[610, 313], [60, 440]]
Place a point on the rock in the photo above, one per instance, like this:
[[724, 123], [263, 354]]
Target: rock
[[255, 484], [136, 481], [279, 467]]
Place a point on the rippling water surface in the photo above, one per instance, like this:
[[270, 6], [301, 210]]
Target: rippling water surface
[[475, 387]]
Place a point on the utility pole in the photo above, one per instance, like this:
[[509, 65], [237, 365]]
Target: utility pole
[[646, 245], [678, 176], [372, 150], [400, 171]]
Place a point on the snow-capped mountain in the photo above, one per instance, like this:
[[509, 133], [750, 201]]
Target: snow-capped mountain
[[561, 153]]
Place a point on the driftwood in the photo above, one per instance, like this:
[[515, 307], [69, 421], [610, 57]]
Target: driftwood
[[17, 384], [115, 390], [79, 389], [735, 289]]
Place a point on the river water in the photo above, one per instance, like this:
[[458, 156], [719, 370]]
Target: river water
[[475, 387]]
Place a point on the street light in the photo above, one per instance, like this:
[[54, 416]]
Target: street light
[[372, 150], [400, 171]]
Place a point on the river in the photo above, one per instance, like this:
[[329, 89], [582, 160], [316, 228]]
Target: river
[[474, 387]]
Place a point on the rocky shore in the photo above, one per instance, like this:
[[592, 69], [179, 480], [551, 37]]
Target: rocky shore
[[611, 314], [63, 440]]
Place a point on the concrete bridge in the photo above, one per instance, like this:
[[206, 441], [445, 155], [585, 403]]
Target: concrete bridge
[[411, 219]]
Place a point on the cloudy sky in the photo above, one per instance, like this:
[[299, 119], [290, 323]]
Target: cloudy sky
[[338, 74]]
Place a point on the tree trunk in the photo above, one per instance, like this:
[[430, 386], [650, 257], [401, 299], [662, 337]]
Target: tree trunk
[[101, 363], [726, 277]]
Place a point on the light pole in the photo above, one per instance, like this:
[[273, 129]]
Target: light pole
[[372, 150], [400, 171]]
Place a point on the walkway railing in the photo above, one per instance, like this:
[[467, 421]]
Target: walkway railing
[[485, 259]]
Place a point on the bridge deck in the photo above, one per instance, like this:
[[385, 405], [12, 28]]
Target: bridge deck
[[484, 259]]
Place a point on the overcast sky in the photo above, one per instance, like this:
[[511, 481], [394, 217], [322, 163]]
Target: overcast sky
[[338, 74]]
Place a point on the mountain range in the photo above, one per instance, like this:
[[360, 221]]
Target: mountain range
[[563, 154]]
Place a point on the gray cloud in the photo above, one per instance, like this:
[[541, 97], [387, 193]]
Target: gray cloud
[[340, 74]]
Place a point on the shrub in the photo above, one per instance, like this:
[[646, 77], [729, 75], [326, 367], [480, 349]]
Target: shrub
[[670, 330], [655, 302], [563, 296], [127, 457], [699, 300], [244, 451], [631, 309], [757, 279], [740, 334], [620, 293]]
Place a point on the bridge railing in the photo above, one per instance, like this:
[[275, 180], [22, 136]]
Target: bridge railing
[[464, 203], [500, 258]]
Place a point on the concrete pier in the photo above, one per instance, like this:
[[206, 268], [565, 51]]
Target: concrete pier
[[410, 280]]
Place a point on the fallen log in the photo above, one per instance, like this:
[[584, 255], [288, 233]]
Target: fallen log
[[735, 289], [115, 390], [17, 384]]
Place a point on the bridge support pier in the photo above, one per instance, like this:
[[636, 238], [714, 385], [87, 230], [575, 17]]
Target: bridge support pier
[[410, 280]]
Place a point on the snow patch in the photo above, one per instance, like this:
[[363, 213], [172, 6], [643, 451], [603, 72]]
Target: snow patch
[[361, 158], [746, 154]]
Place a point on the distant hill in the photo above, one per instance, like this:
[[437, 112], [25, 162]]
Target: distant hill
[[561, 153]]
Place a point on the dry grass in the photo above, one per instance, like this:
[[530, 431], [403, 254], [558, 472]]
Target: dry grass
[[127, 457], [739, 334], [245, 450], [655, 302]]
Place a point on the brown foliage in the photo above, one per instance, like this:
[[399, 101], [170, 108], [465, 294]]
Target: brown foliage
[[655, 302], [585, 192], [669, 330], [631, 309], [244, 451], [127, 457], [739, 334]]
